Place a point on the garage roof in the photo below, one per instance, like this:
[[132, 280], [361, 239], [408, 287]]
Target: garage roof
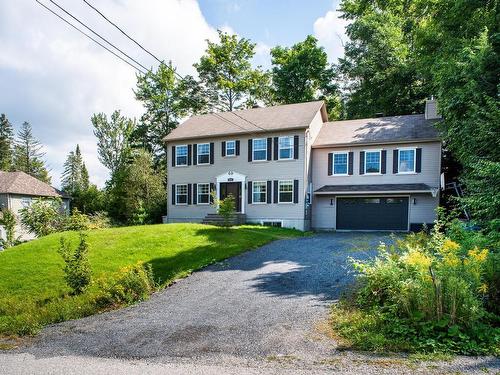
[[378, 188]]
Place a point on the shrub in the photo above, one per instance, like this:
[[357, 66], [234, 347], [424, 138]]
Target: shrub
[[77, 272], [225, 207], [43, 217], [131, 284], [99, 220], [8, 221], [77, 221]]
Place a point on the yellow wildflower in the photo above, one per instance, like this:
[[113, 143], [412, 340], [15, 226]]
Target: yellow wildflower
[[417, 259], [483, 288], [477, 255], [449, 246]]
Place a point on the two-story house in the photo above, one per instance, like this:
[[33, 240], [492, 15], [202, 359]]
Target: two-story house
[[288, 166]]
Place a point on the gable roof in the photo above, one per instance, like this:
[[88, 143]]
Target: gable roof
[[377, 130], [23, 183], [254, 120]]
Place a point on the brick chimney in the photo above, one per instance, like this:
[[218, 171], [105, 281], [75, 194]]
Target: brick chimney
[[431, 109]]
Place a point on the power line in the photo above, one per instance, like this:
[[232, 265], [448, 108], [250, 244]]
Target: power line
[[123, 32], [88, 36], [95, 33]]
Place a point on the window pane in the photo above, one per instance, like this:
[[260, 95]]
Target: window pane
[[285, 191], [259, 155], [259, 192], [204, 153], [285, 147], [372, 160], [259, 149], [340, 163], [230, 148], [181, 194], [181, 155], [406, 160]]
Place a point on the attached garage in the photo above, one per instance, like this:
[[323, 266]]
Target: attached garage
[[372, 213]]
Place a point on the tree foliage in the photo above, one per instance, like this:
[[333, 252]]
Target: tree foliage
[[75, 176], [8, 222], [28, 155], [77, 271], [43, 216], [6, 143]]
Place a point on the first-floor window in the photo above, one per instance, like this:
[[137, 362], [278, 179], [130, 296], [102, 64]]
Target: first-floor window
[[181, 194], [203, 193], [181, 155], [259, 191], [204, 153], [260, 149], [372, 162], [230, 148], [285, 189], [26, 202], [285, 147], [406, 161], [340, 163]]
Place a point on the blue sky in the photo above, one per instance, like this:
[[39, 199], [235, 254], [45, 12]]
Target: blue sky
[[55, 78]]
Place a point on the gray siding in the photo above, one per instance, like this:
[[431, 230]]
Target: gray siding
[[291, 214]]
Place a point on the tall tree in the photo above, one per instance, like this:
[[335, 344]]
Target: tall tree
[[75, 177], [226, 71], [6, 143], [113, 139], [28, 154], [166, 99]]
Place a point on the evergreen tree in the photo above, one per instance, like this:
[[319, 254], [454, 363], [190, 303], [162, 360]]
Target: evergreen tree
[[85, 181], [28, 154], [75, 177], [6, 143]]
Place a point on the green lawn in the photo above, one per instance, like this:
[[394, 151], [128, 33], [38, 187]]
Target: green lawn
[[33, 292]]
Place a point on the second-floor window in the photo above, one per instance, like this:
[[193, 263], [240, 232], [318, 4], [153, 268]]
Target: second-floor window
[[259, 149], [203, 153], [406, 161], [181, 155], [372, 162], [181, 194], [230, 148], [203, 193], [340, 163], [285, 190], [285, 145], [259, 191]]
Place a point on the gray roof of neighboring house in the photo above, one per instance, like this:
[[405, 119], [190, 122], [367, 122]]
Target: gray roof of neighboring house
[[22, 183], [375, 188], [377, 130], [255, 120]]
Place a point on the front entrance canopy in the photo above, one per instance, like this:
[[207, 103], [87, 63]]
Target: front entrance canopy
[[229, 177]]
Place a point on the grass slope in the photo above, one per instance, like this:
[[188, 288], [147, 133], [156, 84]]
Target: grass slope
[[33, 291]]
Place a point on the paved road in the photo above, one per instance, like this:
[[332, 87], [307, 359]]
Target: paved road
[[264, 308]]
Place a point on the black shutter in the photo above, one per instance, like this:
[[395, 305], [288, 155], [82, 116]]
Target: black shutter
[[212, 188], [275, 191], [195, 194], [189, 155], [383, 162], [295, 191], [330, 164], [223, 149], [189, 194], [269, 148], [395, 161], [173, 156], [351, 163], [418, 161], [295, 146], [361, 162], [269, 191], [195, 154], [249, 195], [237, 148], [173, 194], [212, 152], [250, 150], [275, 154]]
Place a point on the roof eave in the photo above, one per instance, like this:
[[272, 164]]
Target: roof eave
[[355, 144], [373, 192]]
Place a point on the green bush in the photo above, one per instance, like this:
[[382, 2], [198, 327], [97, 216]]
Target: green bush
[[77, 272], [225, 207], [425, 293], [77, 221], [8, 221]]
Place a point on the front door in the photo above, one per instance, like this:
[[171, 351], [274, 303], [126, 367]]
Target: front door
[[233, 188]]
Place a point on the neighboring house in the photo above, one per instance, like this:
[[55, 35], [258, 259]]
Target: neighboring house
[[18, 190], [288, 166]]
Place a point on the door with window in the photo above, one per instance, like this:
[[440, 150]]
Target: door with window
[[233, 188]]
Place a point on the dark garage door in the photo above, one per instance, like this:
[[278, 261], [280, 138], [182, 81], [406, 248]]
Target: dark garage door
[[374, 213]]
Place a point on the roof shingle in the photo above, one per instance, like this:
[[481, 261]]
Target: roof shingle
[[22, 183]]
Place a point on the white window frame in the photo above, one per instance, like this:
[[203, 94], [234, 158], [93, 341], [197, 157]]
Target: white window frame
[[379, 162], [227, 148], [198, 193], [177, 194], [291, 148], [333, 163], [26, 202], [414, 159], [264, 183], [253, 149], [280, 182], [176, 156], [198, 153]]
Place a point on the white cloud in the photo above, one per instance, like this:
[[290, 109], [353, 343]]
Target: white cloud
[[330, 32], [56, 78]]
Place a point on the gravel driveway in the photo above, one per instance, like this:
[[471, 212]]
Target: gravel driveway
[[263, 308]]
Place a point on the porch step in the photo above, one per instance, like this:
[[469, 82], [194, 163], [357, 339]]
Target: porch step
[[216, 219]]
